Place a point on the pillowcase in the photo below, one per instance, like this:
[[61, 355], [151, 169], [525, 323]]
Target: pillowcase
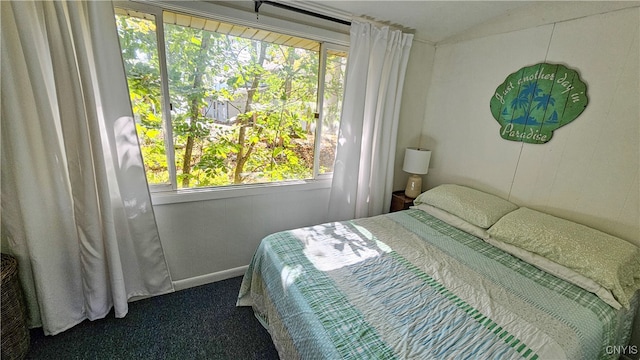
[[611, 262], [453, 220], [474, 206], [558, 271]]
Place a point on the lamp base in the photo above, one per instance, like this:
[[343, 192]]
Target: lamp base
[[414, 186]]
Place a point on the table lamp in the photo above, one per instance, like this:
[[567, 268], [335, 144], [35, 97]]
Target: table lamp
[[416, 162]]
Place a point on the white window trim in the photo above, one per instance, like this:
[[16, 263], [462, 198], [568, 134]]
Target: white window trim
[[233, 191], [167, 194]]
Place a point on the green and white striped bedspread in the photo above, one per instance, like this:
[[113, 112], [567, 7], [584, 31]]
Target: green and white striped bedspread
[[408, 286]]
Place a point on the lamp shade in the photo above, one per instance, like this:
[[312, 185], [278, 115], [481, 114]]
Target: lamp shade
[[416, 161]]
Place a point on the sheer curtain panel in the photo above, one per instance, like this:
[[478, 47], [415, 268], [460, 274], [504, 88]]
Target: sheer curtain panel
[[363, 174], [76, 209]]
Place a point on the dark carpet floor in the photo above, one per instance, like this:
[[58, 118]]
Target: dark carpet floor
[[196, 323]]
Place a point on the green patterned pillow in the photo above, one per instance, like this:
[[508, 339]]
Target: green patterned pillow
[[609, 261], [474, 206]]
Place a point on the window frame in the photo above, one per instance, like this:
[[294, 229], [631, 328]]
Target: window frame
[[328, 39]]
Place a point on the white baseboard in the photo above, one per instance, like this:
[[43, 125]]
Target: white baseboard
[[209, 278]]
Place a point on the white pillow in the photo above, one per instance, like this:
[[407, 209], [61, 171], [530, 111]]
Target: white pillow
[[557, 270], [453, 220], [611, 262], [474, 206]]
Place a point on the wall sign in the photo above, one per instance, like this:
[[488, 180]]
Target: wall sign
[[536, 100]]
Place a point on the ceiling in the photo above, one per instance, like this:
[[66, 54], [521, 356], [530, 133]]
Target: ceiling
[[435, 21], [432, 21]]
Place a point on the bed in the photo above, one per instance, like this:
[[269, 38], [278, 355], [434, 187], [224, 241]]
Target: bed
[[444, 279]]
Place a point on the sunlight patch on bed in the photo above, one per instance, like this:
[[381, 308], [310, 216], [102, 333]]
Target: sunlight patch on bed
[[289, 275], [366, 233], [329, 249]]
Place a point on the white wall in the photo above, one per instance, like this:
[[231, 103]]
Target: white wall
[[214, 239], [412, 111], [589, 171]]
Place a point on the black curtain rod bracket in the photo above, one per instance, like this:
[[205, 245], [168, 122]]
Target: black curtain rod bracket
[[258, 3]]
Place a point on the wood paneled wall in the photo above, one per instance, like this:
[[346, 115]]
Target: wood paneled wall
[[590, 170]]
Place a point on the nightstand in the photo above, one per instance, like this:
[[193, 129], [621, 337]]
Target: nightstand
[[399, 201]]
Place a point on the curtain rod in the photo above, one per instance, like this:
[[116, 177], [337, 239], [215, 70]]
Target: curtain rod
[[258, 3]]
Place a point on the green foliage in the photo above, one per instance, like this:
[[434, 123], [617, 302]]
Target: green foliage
[[269, 92]]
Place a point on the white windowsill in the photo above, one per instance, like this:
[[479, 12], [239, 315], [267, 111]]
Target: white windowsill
[[231, 191]]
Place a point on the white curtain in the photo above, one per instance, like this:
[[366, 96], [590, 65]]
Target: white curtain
[[76, 209], [363, 173]]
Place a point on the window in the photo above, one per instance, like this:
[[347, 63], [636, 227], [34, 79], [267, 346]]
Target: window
[[221, 104]]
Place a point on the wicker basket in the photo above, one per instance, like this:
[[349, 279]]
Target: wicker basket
[[15, 335]]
